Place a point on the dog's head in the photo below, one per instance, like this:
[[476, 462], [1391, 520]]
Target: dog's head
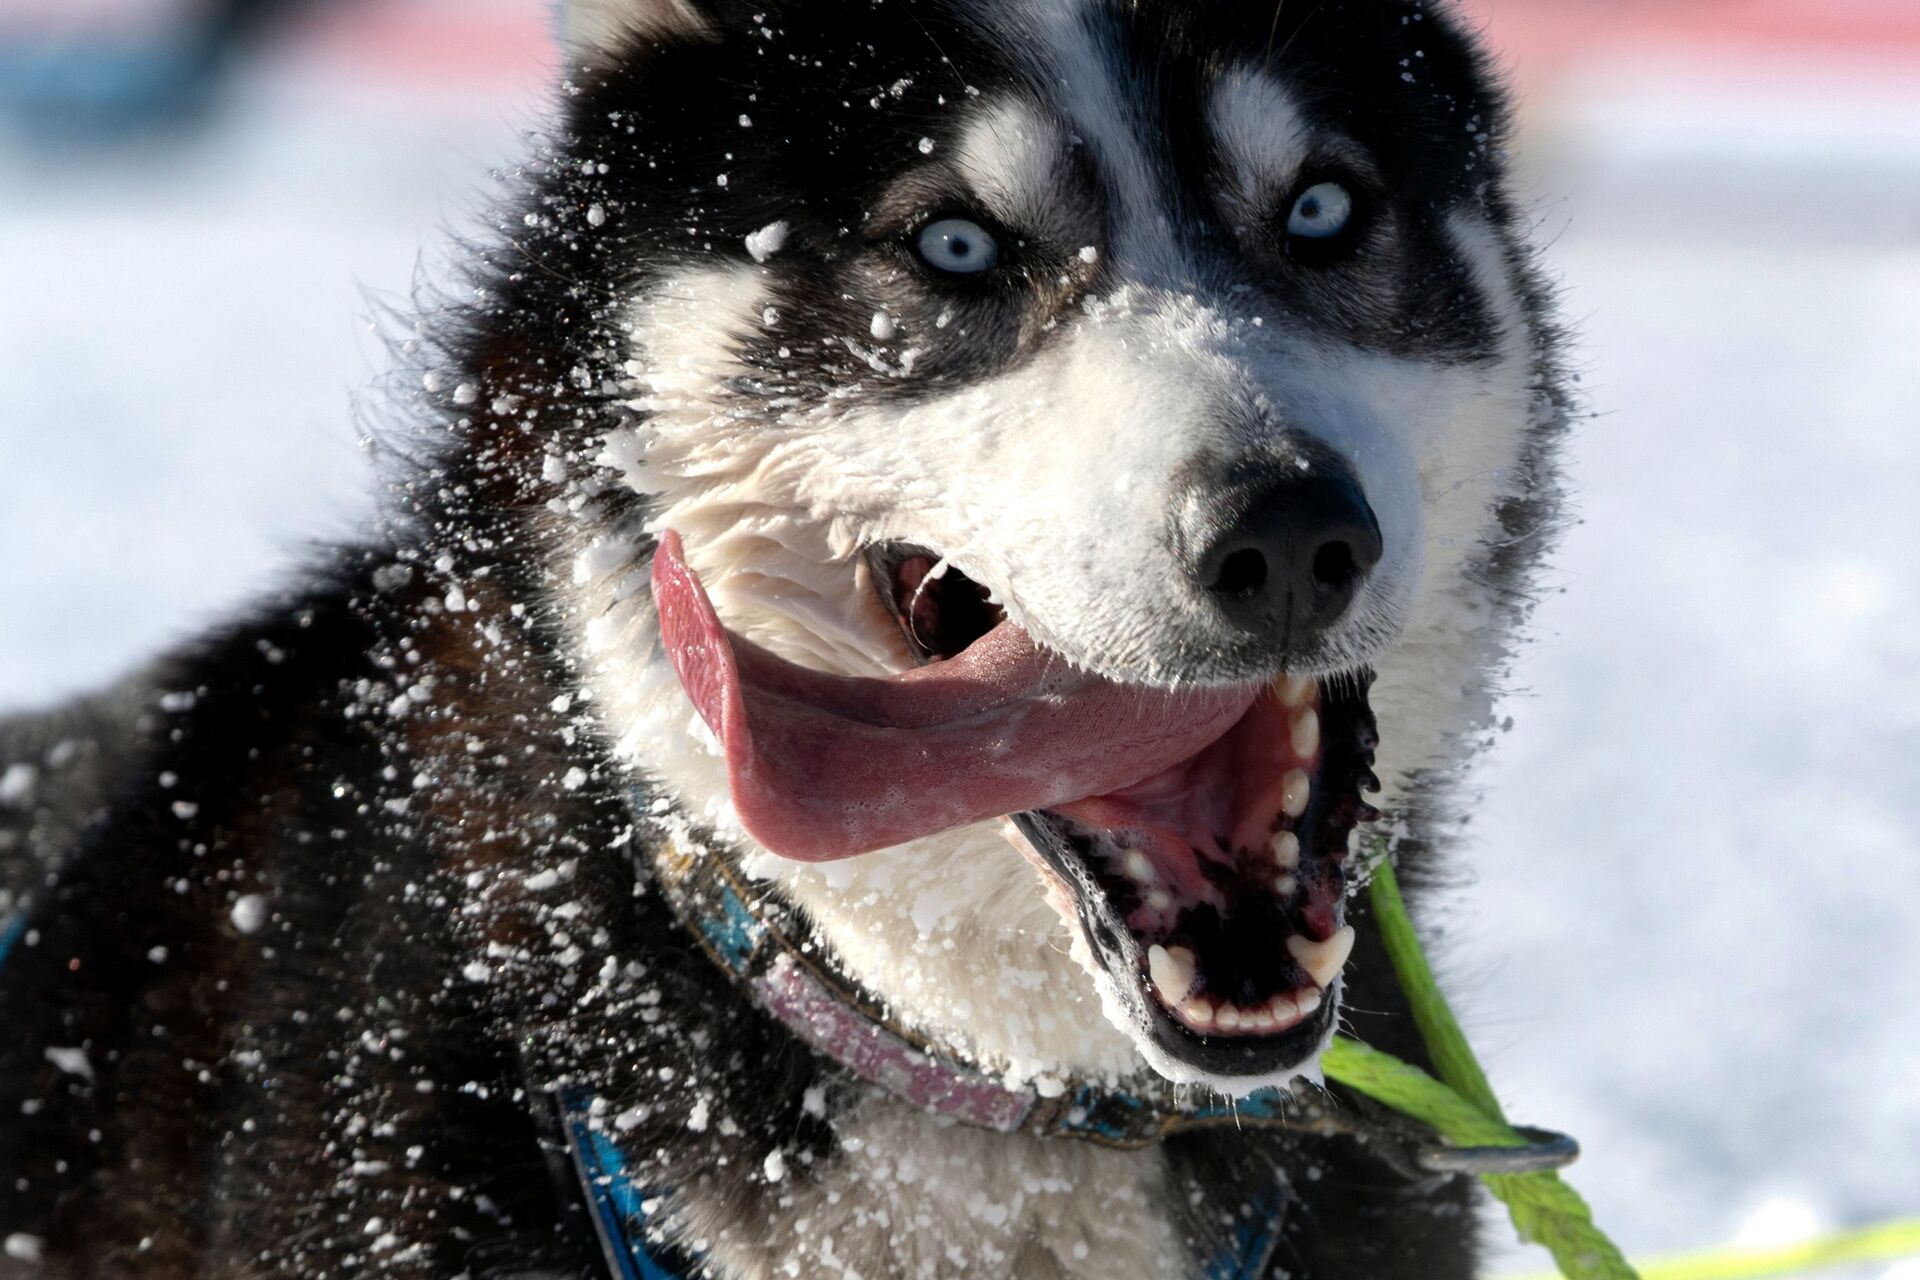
[[1058, 408]]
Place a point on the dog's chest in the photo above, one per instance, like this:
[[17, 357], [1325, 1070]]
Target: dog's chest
[[907, 1197]]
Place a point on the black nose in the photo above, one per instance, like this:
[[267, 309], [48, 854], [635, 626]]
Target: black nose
[[1280, 544]]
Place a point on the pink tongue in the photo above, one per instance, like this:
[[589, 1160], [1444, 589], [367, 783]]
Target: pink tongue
[[824, 767]]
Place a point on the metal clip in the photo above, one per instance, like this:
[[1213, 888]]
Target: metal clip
[[1544, 1151]]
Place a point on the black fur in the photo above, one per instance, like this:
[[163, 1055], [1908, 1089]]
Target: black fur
[[352, 1089]]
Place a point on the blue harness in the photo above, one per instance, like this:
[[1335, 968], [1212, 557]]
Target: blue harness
[[11, 932], [615, 1206]]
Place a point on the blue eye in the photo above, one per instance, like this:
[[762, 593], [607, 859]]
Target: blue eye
[[1322, 212], [958, 247]]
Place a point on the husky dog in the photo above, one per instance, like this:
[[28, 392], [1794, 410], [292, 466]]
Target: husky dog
[[846, 759]]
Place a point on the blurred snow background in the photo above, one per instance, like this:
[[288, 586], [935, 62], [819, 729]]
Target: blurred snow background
[[1688, 934]]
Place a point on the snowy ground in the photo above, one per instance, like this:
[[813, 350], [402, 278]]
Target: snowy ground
[[1690, 934]]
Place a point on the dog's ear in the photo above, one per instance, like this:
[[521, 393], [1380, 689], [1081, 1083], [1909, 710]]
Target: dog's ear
[[597, 29]]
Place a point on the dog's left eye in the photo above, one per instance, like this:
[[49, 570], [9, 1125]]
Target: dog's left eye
[[958, 247], [1322, 212]]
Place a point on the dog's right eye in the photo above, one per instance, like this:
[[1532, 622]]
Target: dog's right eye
[[957, 247], [1321, 212]]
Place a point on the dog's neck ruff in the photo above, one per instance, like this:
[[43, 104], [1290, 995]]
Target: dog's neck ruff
[[751, 938], [756, 939]]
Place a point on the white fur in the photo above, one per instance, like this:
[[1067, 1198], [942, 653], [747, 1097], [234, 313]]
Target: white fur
[[1067, 53], [909, 1198], [1261, 134], [1014, 159], [598, 29]]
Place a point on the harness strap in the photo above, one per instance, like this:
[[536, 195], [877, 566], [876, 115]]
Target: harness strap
[[11, 931], [616, 1205]]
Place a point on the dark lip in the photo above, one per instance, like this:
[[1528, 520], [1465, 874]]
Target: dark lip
[[1242, 1056], [883, 563], [883, 560], [1117, 952]]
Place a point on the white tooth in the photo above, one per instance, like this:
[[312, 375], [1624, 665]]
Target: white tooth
[[1294, 790], [1296, 691], [1260, 1019], [1139, 867], [1305, 732], [1198, 1013], [1286, 886], [1229, 1018], [1323, 961], [1286, 850], [1172, 970], [1284, 1011], [1159, 899], [1308, 1003]]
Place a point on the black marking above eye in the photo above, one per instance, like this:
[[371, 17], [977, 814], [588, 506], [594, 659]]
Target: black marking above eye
[[958, 247]]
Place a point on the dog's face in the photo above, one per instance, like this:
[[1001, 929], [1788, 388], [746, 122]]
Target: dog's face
[[1111, 388]]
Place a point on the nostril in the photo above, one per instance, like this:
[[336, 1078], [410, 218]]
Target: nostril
[[1244, 573], [1334, 566]]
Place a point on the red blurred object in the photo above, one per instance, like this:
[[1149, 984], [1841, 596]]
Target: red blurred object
[[1539, 34], [441, 41]]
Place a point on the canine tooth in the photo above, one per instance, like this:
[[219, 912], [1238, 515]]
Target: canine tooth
[[1198, 1012], [1295, 691], [1305, 733], [1294, 790], [1229, 1018], [1139, 867], [1286, 886], [1323, 961], [1286, 850], [1172, 969]]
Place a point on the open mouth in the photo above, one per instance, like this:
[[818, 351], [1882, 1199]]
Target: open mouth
[[1199, 834], [1217, 885]]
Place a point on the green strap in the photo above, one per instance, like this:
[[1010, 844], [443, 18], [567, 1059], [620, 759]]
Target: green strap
[[1460, 1106], [1544, 1209], [1882, 1243], [1446, 1042]]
